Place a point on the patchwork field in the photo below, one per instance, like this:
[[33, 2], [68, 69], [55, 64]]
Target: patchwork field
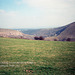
[[31, 57]]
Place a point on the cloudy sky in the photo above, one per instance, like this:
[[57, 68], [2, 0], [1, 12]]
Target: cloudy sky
[[36, 13]]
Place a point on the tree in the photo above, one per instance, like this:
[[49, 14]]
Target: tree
[[36, 38], [55, 39], [41, 38], [68, 39]]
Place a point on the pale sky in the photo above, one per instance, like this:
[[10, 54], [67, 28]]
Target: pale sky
[[36, 13]]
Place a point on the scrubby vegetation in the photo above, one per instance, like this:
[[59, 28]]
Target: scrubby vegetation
[[34, 57], [39, 38]]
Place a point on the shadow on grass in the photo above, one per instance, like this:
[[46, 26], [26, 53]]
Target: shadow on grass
[[4, 73], [39, 70], [42, 70], [71, 71], [45, 70]]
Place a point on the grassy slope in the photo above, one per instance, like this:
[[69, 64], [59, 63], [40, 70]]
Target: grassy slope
[[28, 57]]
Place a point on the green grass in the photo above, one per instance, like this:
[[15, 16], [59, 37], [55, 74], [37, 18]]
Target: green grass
[[31, 57]]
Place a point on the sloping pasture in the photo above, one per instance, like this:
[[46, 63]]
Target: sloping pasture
[[34, 57]]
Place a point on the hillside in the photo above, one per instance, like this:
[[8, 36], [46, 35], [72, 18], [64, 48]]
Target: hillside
[[47, 32], [51, 34], [69, 32], [13, 34]]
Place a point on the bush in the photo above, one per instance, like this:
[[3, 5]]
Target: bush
[[41, 38], [68, 39], [38, 38], [55, 39]]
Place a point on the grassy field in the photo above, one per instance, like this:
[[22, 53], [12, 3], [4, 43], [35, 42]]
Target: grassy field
[[31, 57]]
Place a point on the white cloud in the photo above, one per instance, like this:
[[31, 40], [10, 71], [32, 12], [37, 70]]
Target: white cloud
[[49, 3], [19, 3], [2, 11], [52, 6], [50, 13], [10, 13], [7, 19], [44, 3]]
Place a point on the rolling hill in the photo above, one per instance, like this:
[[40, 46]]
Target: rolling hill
[[51, 34], [47, 32], [69, 32], [14, 34]]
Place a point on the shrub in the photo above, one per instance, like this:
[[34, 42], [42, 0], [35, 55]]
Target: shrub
[[55, 39], [68, 39], [38, 38], [41, 38]]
